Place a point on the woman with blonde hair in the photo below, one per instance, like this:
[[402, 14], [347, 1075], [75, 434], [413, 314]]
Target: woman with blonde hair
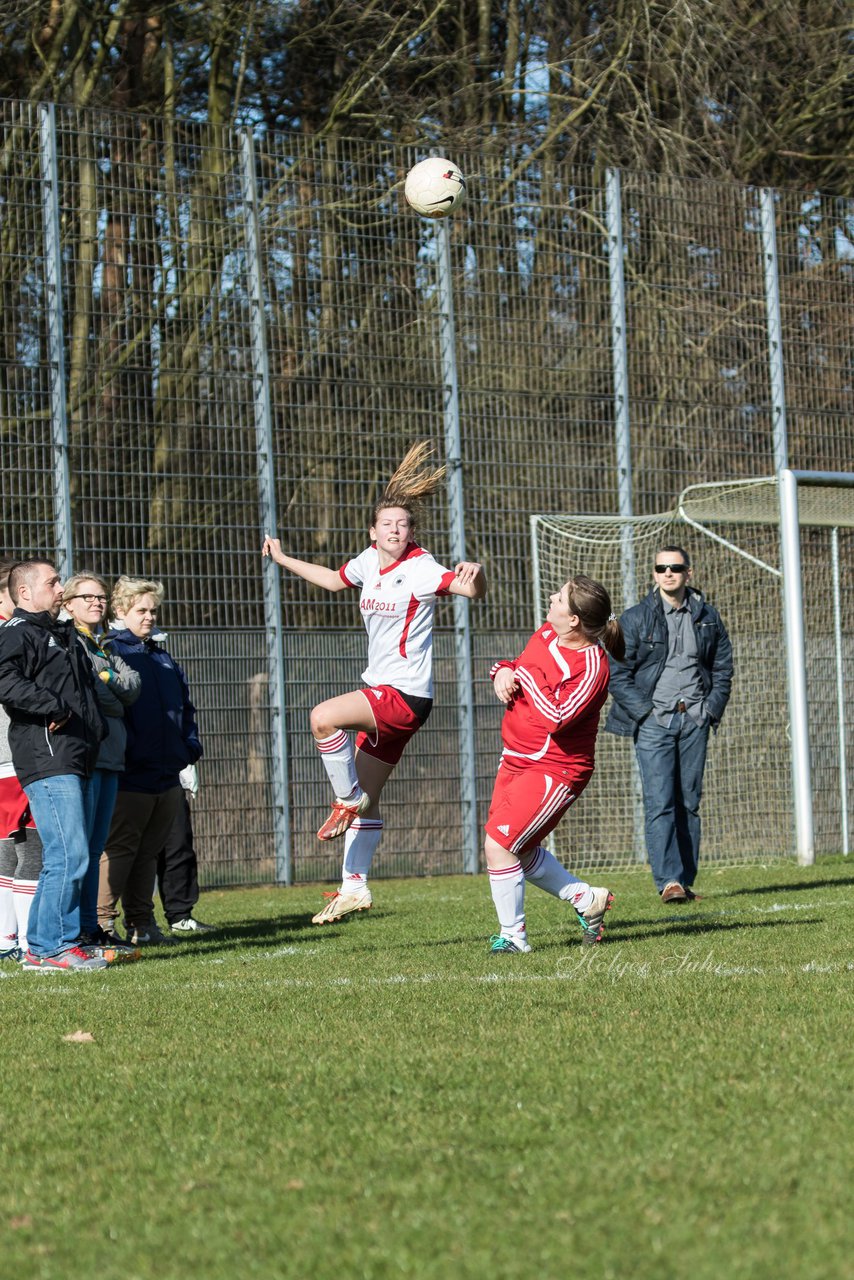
[[163, 739], [84, 598], [552, 694], [399, 583]]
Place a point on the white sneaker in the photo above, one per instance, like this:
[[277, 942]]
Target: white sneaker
[[343, 904], [191, 925]]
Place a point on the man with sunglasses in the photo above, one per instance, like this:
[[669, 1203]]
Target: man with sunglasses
[[672, 687]]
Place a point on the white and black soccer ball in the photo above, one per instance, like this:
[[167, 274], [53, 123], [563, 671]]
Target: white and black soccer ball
[[434, 187]]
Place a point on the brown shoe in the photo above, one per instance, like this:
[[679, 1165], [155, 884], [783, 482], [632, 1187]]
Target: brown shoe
[[692, 896], [673, 892]]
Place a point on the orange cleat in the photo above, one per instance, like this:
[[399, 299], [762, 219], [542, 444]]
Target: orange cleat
[[342, 816]]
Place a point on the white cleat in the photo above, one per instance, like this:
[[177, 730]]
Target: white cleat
[[343, 904]]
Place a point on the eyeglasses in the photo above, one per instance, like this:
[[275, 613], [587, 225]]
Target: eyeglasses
[[90, 599], [674, 568]]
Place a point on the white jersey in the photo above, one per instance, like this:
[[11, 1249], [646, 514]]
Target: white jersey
[[397, 606]]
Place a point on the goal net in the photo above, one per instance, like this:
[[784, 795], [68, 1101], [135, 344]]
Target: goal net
[[732, 535]]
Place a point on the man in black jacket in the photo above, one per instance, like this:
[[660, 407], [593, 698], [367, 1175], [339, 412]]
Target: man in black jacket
[[672, 687], [46, 687]]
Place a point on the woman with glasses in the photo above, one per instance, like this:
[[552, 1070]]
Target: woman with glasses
[[163, 738], [84, 599]]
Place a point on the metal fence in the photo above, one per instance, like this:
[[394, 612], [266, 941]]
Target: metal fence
[[206, 334]]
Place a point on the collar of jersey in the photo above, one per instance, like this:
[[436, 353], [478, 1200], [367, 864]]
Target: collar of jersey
[[411, 549]]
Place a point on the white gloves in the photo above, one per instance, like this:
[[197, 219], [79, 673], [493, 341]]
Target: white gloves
[[189, 779]]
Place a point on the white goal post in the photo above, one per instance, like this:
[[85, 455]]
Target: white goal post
[[778, 771]]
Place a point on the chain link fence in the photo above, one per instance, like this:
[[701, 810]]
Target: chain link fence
[[205, 334]]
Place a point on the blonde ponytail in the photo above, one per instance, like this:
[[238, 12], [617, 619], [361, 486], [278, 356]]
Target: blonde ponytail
[[411, 483]]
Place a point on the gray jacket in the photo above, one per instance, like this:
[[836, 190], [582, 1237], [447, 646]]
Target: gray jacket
[[120, 690]]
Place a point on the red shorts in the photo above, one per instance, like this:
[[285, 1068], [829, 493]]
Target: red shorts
[[527, 803], [14, 808], [396, 724]]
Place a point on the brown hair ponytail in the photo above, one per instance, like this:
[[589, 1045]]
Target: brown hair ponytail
[[591, 602]]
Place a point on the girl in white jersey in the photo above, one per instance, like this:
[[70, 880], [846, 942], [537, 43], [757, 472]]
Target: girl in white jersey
[[553, 693], [399, 583]]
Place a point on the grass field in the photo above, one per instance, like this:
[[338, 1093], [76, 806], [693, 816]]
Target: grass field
[[385, 1098]]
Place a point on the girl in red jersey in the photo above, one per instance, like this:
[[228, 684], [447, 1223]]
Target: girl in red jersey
[[399, 583], [553, 693]]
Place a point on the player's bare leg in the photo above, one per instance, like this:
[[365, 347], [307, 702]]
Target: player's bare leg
[[330, 721]]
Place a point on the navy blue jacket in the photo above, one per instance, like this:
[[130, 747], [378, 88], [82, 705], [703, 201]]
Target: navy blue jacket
[[645, 631], [161, 726]]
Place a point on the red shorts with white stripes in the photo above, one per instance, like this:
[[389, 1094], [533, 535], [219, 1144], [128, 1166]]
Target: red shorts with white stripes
[[14, 808], [396, 724], [527, 803]]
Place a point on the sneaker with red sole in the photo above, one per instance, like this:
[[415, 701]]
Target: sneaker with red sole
[[74, 960], [343, 814]]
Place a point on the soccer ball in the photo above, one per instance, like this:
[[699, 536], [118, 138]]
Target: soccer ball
[[434, 187]]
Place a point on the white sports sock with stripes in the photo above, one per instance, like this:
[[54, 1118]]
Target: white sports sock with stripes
[[360, 845], [546, 873], [338, 758], [23, 892], [507, 886], [8, 919]]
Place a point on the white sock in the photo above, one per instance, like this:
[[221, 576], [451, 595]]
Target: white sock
[[8, 919], [23, 892], [336, 752], [507, 886], [546, 873], [360, 845]]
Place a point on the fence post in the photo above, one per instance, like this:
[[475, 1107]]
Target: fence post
[[840, 686], [462, 609], [775, 328], [273, 629], [620, 364], [622, 433], [63, 544], [793, 618]]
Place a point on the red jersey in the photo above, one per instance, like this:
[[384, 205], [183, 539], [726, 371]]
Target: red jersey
[[554, 716]]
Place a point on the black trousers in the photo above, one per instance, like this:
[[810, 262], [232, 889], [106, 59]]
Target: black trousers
[[178, 868]]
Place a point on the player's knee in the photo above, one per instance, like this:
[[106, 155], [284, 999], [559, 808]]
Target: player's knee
[[493, 854], [321, 721]]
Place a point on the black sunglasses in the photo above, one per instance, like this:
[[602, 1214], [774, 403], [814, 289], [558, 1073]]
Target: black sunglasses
[[674, 568]]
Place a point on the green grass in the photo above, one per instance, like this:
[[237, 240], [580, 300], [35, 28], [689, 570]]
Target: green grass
[[385, 1098]]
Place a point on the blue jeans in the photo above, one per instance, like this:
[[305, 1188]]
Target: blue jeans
[[671, 763], [57, 806], [99, 802]]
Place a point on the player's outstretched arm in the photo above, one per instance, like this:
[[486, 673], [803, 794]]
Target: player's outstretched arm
[[470, 580], [317, 574]]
